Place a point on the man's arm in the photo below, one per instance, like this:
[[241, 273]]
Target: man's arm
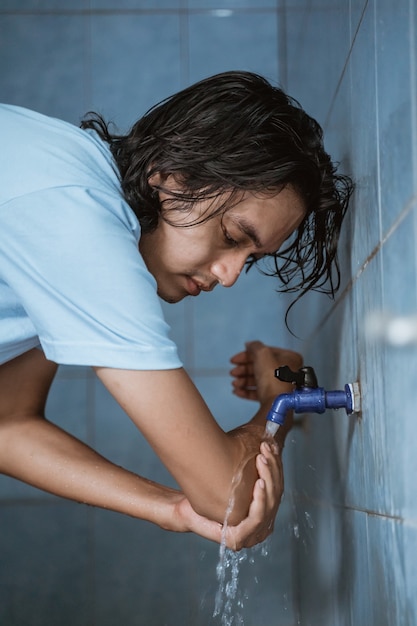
[[171, 414], [35, 451]]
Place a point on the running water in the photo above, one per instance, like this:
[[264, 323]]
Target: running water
[[229, 601]]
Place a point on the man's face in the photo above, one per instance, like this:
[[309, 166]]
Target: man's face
[[186, 260]]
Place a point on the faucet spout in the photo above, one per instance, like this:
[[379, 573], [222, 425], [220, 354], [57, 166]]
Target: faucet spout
[[308, 399]]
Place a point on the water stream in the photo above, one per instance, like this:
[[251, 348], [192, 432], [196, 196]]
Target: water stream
[[230, 597], [229, 600]]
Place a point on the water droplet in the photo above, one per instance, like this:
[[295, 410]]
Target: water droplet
[[309, 520]]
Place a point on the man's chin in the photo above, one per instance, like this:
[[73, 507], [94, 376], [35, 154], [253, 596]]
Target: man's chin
[[170, 299]]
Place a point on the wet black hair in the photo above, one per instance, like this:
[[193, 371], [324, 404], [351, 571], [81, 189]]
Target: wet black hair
[[231, 133]]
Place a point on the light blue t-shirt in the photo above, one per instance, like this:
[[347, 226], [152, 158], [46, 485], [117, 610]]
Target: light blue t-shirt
[[71, 275]]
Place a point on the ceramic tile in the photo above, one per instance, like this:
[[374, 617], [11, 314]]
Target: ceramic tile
[[366, 480], [398, 256], [296, 5], [400, 300], [413, 55], [375, 549], [121, 5], [168, 577], [352, 570], [410, 572], [227, 318], [339, 474], [142, 573], [38, 6], [26, 42], [228, 410], [357, 10], [394, 108], [328, 101], [332, 555], [66, 407], [386, 562], [224, 6], [317, 44], [118, 439], [307, 315], [402, 400], [44, 566], [142, 66], [218, 43], [364, 141], [179, 316], [368, 462]]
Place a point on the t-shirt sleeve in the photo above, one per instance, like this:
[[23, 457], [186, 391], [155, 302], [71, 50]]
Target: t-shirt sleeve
[[71, 256]]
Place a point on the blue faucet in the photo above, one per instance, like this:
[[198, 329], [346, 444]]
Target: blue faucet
[[308, 397]]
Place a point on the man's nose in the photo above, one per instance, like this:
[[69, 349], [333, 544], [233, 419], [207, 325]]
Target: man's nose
[[227, 269]]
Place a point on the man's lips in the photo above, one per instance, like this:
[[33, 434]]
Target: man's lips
[[194, 288]]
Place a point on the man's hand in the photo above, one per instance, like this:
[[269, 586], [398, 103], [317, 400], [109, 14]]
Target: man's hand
[[253, 374], [258, 524]]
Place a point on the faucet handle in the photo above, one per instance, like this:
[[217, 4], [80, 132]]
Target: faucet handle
[[305, 377]]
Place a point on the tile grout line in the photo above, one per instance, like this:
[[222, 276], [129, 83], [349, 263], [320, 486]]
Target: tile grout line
[[347, 507], [378, 145], [339, 84], [139, 11], [413, 95]]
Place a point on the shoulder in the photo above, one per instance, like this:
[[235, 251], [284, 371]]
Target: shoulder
[[51, 153]]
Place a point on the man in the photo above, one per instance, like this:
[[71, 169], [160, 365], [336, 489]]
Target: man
[[95, 227]]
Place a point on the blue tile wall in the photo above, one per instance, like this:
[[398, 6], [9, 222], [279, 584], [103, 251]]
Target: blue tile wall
[[69, 407], [395, 109], [145, 69], [345, 547], [33, 76], [39, 6], [354, 475], [220, 5], [45, 553], [220, 42], [119, 5]]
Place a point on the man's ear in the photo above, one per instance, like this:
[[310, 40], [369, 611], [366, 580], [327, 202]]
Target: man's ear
[[156, 179], [164, 182]]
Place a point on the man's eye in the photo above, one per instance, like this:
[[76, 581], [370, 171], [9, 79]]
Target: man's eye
[[229, 240]]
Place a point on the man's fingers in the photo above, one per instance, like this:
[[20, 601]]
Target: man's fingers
[[269, 467], [252, 529]]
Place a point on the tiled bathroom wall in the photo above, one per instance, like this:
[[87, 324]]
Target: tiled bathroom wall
[[345, 545], [354, 64]]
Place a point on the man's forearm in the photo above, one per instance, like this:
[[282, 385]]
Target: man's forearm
[[39, 453]]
